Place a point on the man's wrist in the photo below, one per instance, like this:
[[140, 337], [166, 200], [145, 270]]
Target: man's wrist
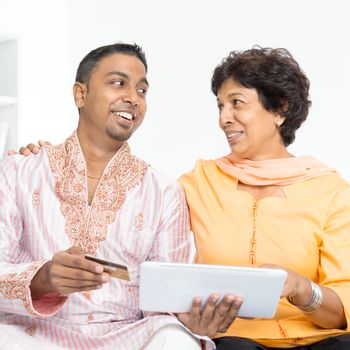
[[40, 284]]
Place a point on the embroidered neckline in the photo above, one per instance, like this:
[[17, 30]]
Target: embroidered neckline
[[87, 225]]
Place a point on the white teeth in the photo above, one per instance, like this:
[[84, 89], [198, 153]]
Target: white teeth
[[234, 133], [125, 115]]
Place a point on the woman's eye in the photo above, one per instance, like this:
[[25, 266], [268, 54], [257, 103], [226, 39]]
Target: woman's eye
[[219, 106], [236, 102]]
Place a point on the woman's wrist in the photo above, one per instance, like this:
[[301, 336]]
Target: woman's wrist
[[313, 302]]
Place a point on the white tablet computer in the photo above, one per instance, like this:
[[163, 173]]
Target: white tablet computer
[[170, 287]]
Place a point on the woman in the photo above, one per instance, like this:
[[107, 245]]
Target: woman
[[260, 205]]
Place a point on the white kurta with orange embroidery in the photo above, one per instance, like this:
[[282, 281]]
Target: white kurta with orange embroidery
[[136, 215]]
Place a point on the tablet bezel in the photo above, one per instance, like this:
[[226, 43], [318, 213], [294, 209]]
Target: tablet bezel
[[170, 287]]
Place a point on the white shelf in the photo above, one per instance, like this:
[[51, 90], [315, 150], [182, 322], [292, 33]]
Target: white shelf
[[8, 93], [6, 101], [4, 37]]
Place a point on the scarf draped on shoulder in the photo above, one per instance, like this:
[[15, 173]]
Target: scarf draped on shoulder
[[281, 172]]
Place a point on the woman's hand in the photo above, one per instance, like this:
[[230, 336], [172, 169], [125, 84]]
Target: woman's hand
[[215, 317], [329, 315], [296, 286]]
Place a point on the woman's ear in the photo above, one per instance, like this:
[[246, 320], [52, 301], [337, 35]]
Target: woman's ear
[[79, 92], [278, 120], [279, 117]]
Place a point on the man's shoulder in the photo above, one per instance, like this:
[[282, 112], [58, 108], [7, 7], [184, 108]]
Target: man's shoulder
[[18, 162], [160, 180]]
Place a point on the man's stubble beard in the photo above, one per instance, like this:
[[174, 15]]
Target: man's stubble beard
[[115, 135]]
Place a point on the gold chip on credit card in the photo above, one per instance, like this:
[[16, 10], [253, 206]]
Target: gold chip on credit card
[[115, 270]]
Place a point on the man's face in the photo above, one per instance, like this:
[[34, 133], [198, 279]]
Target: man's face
[[113, 103]]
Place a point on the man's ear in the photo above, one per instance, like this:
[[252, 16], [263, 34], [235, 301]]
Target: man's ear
[[79, 93]]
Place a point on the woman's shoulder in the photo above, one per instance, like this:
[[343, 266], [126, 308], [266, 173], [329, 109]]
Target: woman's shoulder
[[321, 189], [333, 181], [201, 167], [321, 176], [205, 174]]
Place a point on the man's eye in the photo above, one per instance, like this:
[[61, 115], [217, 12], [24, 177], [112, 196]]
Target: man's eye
[[220, 106], [236, 102], [118, 83], [142, 91]]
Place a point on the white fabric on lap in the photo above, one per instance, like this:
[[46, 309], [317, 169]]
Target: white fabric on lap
[[172, 337]]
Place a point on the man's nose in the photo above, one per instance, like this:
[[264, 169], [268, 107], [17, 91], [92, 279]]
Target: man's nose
[[131, 96]]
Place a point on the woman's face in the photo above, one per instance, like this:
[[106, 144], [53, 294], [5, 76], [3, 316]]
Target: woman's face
[[250, 129]]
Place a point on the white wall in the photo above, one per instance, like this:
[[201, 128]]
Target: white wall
[[184, 40], [44, 61]]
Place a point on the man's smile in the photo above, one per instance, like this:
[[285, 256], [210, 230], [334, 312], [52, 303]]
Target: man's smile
[[125, 115]]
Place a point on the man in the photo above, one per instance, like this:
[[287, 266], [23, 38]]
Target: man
[[90, 195]]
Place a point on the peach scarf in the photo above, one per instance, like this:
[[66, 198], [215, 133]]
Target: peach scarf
[[281, 172]]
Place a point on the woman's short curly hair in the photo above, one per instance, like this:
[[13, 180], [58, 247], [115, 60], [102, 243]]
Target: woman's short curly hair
[[280, 83]]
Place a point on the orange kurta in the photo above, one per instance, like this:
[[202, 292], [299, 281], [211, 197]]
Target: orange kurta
[[308, 231]]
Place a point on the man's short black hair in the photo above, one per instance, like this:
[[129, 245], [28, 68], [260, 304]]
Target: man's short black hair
[[91, 60]]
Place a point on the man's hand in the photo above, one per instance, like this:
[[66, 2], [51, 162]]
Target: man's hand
[[214, 317], [68, 272], [29, 149]]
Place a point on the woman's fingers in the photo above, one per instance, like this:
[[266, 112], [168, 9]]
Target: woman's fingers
[[44, 143], [25, 151], [33, 148]]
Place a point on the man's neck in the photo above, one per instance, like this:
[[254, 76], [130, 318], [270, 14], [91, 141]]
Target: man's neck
[[97, 152]]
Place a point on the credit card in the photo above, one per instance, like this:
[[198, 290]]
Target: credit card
[[115, 270]]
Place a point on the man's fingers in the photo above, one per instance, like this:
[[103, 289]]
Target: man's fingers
[[68, 273], [191, 319], [208, 311], [222, 311], [74, 250], [231, 314], [61, 282], [195, 312], [65, 291], [215, 317], [74, 258], [61, 275]]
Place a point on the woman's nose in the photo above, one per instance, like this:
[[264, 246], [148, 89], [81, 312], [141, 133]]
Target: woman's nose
[[226, 115]]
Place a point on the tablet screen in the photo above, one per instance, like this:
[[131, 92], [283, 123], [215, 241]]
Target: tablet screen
[[170, 287]]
